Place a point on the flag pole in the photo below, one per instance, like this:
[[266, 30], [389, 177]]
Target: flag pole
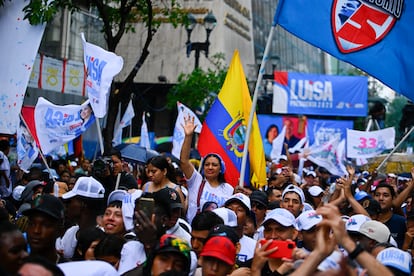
[[98, 127], [254, 103], [40, 150]]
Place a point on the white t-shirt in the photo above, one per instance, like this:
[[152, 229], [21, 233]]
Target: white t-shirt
[[5, 166], [68, 242], [178, 231], [247, 247], [132, 255], [217, 194]]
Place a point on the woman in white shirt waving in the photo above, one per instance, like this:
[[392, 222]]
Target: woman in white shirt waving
[[208, 186]]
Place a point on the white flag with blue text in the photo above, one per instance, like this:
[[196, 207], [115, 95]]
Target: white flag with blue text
[[101, 67], [59, 124], [178, 136]]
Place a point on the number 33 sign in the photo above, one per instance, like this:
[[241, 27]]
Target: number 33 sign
[[367, 144]]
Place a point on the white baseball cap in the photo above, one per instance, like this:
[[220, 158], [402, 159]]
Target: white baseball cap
[[229, 216], [315, 190], [307, 220], [242, 198], [281, 216], [86, 187], [355, 222], [116, 195], [396, 258], [375, 230], [294, 189]]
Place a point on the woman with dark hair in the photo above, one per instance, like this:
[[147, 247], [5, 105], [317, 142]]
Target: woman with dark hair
[[209, 185], [161, 174], [271, 133]]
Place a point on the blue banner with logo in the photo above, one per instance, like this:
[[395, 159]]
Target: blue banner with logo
[[311, 94]]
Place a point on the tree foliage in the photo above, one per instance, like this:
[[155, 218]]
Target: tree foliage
[[394, 113], [198, 89]]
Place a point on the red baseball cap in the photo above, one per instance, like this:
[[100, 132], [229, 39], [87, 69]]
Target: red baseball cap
[[221, 248]]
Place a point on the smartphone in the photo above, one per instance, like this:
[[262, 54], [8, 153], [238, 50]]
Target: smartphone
[[285, 248], [146, 205]]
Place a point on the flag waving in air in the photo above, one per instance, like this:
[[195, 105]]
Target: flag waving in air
[[144, 141], [224, 129], [124, 122], [372, 35], [27, 150], [178, 136], [101, 67]]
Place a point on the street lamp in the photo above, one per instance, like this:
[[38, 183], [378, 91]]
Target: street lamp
[[209, 23]]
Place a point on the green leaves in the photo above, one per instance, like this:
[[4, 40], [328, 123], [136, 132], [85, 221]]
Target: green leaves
[[199, 88]]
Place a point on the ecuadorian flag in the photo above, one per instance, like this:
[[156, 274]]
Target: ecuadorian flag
[[225, 127]]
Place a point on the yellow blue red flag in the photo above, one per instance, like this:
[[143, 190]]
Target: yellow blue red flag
[[225, 126]]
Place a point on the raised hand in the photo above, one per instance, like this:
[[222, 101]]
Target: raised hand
[[189, 126]]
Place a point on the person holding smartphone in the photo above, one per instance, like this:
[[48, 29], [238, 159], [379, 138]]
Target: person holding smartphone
[[279, 225]]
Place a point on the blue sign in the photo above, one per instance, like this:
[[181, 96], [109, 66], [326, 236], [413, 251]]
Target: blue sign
[[311, 94], [319, 131]]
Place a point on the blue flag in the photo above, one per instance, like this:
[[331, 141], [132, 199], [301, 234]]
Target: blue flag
[[375, 36]]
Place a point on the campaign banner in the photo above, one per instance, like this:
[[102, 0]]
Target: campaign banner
[[57, 125], [52, 74], [101, 67], [319, 131], [19, 44], [35, 74], [367, 144], [323, 131], [311, 94], [74, 77]]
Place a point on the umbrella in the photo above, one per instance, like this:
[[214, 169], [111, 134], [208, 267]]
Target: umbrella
[[136, 153]]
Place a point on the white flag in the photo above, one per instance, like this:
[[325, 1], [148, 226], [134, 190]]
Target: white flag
[[125, 121], [178, 136], [57, 125], [277, 145], [101, 67], [144, 141], [330, 156], [27, 150], [18, 48], [367, 144]]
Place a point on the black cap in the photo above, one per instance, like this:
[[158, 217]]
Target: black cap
[[222, 230], [47, 204], [168, 199], [259, 197]]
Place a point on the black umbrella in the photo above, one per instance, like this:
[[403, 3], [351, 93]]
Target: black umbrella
[[136, 153]]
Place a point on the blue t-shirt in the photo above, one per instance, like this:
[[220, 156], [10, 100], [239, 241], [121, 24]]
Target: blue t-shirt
[[398, 227]]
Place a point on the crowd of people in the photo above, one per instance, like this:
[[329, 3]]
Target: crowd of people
[[182, 218]]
